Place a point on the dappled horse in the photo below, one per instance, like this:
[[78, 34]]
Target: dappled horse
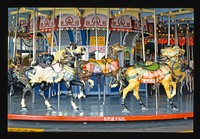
[[168, 73], [106, 66], [46, 74]]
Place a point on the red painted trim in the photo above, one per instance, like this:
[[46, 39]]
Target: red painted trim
[[100, 118]]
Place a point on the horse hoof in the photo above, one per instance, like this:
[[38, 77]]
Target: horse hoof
[[24, 109], [175, 109], [114, 85], [82, 96], [75, 96], [144, 108], [50, 108], [12, 93], [190, 92], [77, 110], [79, 97], [125, 111]]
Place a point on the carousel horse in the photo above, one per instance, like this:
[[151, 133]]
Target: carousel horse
[[176, 62], [189, 79], [13, 83], [43, 75], [186, 85], [106, 66], [179, 68], [163, 73]]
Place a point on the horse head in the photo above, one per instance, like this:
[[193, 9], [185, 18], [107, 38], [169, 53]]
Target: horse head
[[11, 64], [168, 52], [18, 54], [74, 50], [172, 52], [179, 50], [117, 48], [72, 53]]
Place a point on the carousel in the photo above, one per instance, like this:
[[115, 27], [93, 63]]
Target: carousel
[[100, 64]]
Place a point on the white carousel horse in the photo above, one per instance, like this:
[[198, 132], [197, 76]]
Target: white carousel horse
[[45, 75]]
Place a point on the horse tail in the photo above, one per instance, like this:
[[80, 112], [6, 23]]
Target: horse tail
[[121, 76], [22, 78]]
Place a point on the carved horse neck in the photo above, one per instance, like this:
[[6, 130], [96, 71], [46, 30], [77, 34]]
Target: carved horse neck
[[113, 54]]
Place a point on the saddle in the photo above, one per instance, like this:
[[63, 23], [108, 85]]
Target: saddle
[[152, 66], [103, 63]]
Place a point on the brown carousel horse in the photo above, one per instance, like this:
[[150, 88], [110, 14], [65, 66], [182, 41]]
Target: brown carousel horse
[[44, 74], [106, 66], [163, 73]]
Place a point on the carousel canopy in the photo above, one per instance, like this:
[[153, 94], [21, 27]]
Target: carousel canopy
[[182, 16]]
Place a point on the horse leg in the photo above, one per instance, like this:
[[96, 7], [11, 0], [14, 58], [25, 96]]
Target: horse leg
[[23, 102], [113, 82], [182, 77], [121, 87], [85, 77], [69, 89], [181, 87], [136, 95], [91, 83], [12, 91], [190, 83], [125, 92], [173, 84], [43, 87], [167, 90], [79, 83]]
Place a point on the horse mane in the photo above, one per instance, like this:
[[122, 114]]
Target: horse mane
[[58, 55]]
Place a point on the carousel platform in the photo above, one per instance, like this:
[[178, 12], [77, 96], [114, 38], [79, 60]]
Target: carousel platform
[[95, 109]]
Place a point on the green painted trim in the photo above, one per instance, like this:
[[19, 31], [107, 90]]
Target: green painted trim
[[132, 77]]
